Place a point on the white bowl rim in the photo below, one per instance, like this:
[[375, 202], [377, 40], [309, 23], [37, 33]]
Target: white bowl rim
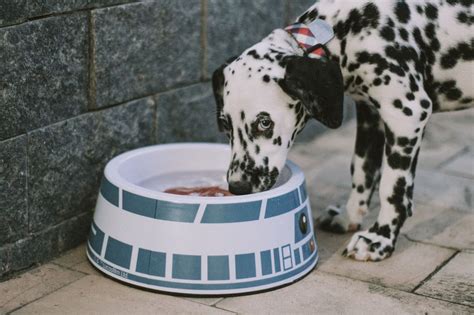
[[111, 173]]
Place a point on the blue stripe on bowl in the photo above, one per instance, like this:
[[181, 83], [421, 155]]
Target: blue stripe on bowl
[[299, 235], [181, 212], [297, 256], [96, 239], [159, 209], [266, 261], [282, 204], [245, 266], [218, 268], [118, 253], [203, 286], [109, 191], [233, 212], [186, 267], [138, 204], [303, 192], [150, 262], [276, 258]]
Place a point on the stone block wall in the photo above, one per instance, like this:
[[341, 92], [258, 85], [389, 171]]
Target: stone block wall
[[82, 81]]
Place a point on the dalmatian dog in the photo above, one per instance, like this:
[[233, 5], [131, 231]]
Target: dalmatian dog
[[398, 60]]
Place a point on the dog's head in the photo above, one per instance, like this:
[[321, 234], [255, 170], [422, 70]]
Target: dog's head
[[264, 97]]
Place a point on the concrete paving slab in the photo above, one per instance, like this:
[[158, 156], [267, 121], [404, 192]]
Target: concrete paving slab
[[410, 264], [205, 300], [33, 285], [441, 226], [462, 165], [99, 295], [321, 293], [73, 257], [87, 268], [454, 282], [443, 191]]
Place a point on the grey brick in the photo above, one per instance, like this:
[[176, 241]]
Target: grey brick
[[234, 25], [187, 114], [67, 159], [42, 246], [13, 204], [44, 73], [17, 11], [12, 11], [297, 8], [39, 8], [144, 48]]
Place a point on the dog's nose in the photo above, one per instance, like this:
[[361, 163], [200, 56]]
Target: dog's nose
[[240, 188]]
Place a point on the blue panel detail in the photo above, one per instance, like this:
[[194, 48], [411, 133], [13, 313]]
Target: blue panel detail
[[297, 256], [96, 240], [276, 258], [233, 212], [205, 286], [266, 260], [282, 204], [303, 193], [181, 212], [143, 261], [152, 263], [245, 266], [109, 191], [138, 204], [118, 253], [186, 267], [299, 235], [286, 256], [218, 268]]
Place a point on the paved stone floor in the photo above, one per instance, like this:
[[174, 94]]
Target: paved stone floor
[[431, 271]]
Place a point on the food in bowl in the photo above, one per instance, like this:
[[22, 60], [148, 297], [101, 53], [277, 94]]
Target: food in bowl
[[211, 191]]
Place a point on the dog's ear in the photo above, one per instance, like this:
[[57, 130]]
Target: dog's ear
[[218, 80], [318, 84]]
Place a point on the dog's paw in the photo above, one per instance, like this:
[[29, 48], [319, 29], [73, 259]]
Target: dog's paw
[[368, 246], [335, 219]]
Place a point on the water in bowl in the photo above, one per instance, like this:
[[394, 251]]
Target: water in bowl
[[186, 179]]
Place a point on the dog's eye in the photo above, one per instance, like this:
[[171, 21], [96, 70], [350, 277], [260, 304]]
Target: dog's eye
[[264, 124]]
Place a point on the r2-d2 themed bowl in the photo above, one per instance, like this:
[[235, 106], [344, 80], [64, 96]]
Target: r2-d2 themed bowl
[[192, 244]]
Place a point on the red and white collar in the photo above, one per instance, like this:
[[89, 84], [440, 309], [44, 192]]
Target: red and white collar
[[310, 37]]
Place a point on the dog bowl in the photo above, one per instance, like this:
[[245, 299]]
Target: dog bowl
[[192, 244]]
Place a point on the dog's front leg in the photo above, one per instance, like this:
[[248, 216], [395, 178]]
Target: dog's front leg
[[365, 171], [404, 125]]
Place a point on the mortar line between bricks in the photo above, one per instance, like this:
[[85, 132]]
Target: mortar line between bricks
[[63, 13], [438, 299], [92, 82], [429, 243], [26, 183], [110, 106], [139, 97], [204, 39], [223, 309], [451, 158], [288, 12], [156, 99], [391, 288], [39, 298], [70, 268], [435, 271]]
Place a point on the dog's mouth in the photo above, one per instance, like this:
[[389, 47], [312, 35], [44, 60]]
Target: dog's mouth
[[253, 181]]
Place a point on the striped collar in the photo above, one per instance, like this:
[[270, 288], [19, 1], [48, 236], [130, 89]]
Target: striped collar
[[312, 37]]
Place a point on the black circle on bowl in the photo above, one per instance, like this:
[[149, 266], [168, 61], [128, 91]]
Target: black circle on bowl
[[303, 223]]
